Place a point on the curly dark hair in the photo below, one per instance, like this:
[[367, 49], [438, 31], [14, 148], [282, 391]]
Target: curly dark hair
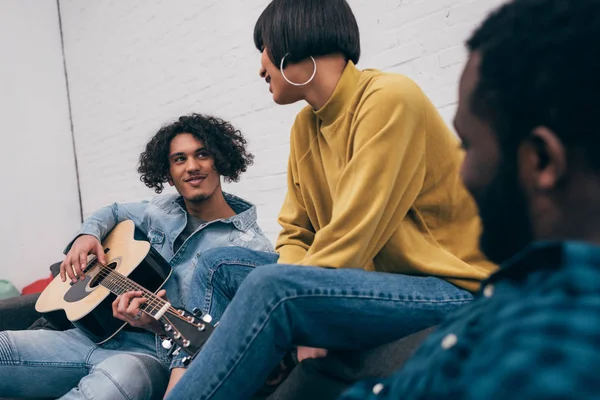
[[225, 143], [540, 66]]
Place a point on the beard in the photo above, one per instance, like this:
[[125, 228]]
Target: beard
[[200, 198], [504, 215]]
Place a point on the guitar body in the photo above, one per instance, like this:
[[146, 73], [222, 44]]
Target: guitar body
[[87, 304]]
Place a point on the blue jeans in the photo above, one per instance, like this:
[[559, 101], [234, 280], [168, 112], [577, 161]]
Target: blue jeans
[[217, 276], [278, 307], [44, 363]]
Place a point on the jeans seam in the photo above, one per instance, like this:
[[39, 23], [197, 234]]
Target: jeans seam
[[294, 297], [377, 297], [61, 364], [247, 263], [212, 270], [89, 355], [113, 381], [10, 359], [83, 393], [209, 291]]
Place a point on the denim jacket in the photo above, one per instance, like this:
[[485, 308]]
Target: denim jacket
[[163, 219]]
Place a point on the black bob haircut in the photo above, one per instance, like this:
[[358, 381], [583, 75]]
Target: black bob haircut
[[304, 28], [540, 66], [226, 144]]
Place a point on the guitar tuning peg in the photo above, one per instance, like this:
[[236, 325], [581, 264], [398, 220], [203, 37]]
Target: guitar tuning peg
[[168, 327], [177, 351], [167, 344], [186, 361], [186, 343], [207, 318]]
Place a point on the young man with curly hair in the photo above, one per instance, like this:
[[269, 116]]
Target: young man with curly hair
[[191, 154]]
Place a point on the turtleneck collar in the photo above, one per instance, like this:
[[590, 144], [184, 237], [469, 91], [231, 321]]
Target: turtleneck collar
[[343, 93]]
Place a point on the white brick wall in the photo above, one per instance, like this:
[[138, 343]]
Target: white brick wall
[[136, 64], [39, 208]]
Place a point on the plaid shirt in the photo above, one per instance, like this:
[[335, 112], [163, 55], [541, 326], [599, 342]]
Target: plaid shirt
[[533, 332]]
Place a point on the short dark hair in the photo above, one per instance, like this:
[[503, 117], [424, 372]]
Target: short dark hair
[[540, 66], [225, 143], [306, 28]]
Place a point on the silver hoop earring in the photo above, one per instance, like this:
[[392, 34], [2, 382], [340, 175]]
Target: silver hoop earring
[[294, 83]]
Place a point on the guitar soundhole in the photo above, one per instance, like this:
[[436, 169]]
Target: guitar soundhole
[[97, 280]]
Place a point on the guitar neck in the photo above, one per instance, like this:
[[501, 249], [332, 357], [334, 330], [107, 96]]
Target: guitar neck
[[119, 284]]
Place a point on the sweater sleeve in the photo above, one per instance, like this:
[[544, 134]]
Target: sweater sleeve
[[382, 179], [297, 234]]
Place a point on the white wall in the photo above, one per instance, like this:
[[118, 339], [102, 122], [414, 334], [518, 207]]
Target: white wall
[[136, 64], [39, 202]]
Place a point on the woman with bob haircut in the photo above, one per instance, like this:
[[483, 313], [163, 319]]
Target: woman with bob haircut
[[374, 198]]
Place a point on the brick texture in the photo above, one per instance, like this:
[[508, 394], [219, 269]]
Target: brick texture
[[134, 65]]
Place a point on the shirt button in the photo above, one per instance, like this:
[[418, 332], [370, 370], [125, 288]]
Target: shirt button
[[449, 341], [377, 388], [488, 291]]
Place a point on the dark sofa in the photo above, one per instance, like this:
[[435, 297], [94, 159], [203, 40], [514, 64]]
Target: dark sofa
[[17, 313]]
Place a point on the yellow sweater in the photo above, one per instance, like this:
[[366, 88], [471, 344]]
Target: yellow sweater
[[373, 183]]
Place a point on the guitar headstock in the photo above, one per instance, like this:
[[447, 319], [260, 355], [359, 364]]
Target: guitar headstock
[[187, 330]]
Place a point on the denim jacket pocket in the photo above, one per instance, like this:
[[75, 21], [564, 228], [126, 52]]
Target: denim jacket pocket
[[156, 238]]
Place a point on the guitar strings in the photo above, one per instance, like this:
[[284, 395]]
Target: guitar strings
[[125, 286], [120, 281]]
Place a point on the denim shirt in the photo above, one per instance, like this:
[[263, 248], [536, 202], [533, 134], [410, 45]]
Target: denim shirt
[[533, 332], [163, 219]]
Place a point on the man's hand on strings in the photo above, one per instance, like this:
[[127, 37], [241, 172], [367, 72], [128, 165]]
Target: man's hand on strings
[[76, 259], [126, 307]]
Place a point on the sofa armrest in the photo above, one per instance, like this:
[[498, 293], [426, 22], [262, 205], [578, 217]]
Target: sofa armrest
[[17, 313]]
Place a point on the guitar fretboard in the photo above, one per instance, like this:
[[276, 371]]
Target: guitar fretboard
[[119, 284]]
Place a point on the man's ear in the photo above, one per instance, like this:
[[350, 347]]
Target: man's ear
[[544, 154]]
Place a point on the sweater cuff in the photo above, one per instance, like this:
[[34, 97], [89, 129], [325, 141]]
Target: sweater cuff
[[290, 254]]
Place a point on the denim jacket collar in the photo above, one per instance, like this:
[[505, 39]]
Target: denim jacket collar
[[245, 212]]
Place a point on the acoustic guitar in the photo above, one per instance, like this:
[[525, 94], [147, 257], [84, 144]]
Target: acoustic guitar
[[132, 264]]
